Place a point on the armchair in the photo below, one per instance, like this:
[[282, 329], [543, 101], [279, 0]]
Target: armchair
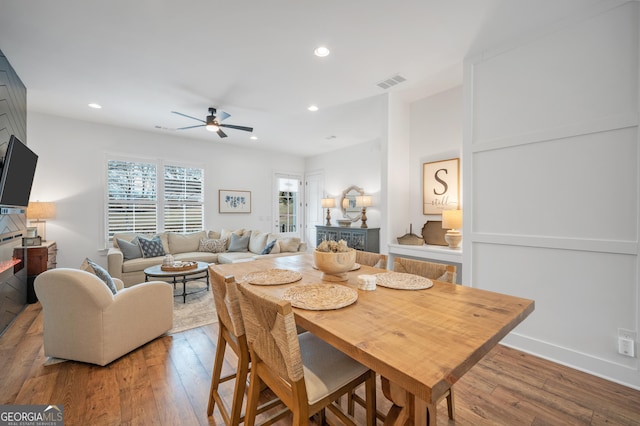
[[84, 321]]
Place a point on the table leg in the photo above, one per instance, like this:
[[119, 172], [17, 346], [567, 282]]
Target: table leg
[[184, 289], [407, 409], [400, 412]]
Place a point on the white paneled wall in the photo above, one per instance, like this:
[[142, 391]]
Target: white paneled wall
[[551, 185]]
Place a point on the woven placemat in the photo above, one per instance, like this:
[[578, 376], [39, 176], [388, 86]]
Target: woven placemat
[[320, 297], [355, 267], [272, 277], [403, 281]]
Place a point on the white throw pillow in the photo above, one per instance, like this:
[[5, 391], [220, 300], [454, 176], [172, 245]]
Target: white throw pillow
[[258, 241], [289, 244]]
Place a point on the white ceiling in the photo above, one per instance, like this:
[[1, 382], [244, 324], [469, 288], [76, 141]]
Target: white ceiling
[[142, 59]]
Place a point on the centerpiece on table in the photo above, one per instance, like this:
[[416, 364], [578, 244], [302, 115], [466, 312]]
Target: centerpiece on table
[[334, 259]]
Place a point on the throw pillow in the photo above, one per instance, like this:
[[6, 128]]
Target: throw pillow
[[90, 266], [226, 234], [258, 241], [268, 247], [276, 248], [212, 245], [185, 243], [130, 250], [152, 247], [289, 244], [239, 243]]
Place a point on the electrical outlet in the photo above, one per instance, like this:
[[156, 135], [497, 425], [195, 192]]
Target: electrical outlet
[[627, 342]]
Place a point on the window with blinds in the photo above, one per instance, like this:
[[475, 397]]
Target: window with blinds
[[140, 199], [183, 199]]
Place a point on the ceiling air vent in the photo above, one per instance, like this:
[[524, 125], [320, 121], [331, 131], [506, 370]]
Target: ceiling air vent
[[391, 81]]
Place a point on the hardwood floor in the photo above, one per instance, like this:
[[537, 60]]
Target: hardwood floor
[[166, 382]]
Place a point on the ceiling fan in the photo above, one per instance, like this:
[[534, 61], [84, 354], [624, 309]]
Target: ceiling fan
[[212, 122]]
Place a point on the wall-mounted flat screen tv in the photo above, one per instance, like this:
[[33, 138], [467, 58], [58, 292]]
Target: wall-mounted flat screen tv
[[18, 169]]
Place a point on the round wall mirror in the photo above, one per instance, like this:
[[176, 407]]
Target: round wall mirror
[[348, 203]]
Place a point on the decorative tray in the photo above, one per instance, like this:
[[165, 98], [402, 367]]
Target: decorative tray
[[180, 266], [320, 297], [433, 233], [403, 281], [355, 267], [272, 277]]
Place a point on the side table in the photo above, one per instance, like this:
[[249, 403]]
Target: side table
[[39, 259]]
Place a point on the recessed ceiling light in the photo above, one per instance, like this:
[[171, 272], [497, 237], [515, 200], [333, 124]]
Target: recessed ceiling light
[[312, 108], [95, 106], [321, 51], [254, 138]]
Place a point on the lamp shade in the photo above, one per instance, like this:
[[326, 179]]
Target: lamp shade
[[452, 219], [363, 201], [328, 203], [41, 210]]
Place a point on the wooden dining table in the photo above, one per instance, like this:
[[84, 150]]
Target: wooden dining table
[[421, 342]]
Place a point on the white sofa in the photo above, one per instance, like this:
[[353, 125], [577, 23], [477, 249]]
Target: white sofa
[[250, 245], [85, 321]]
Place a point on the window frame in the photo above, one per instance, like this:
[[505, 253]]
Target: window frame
[[160, 189]]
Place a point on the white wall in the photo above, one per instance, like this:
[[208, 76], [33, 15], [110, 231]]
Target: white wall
[[357, 165], [551, 185], [71, 172], [436, 134]]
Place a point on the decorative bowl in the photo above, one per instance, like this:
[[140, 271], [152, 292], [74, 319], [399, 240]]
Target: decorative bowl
[[344, 223], [334, 266]]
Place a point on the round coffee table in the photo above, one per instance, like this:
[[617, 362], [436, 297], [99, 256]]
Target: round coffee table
[[200, 271]]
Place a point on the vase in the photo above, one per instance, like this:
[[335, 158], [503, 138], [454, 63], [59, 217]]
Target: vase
[[334, 266]]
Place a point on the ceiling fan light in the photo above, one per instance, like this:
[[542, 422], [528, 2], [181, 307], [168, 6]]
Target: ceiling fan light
[[212, 127]]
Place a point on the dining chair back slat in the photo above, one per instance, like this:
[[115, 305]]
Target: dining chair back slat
[[431, 270], [376, 260]]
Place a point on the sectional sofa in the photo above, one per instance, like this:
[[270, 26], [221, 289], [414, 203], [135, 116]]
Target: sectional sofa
[[132, 253]]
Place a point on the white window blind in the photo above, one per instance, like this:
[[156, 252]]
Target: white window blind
[[132, 197], [183, 199], [140, 200]]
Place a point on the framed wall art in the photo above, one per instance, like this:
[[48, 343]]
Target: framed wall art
[[440, 186], [234, 201]]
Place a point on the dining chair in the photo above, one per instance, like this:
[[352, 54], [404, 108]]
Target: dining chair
[[376, 260], [306, 373], [231, 332], [433, 271]]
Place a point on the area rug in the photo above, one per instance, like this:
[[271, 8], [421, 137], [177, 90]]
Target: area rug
[[199, 309]]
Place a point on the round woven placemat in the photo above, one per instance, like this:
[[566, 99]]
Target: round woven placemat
[[179, 266], [272, 277], [403, 281], [320, 297]]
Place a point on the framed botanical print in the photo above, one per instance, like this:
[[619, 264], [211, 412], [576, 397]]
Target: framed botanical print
[[234, 201], [440, 186]]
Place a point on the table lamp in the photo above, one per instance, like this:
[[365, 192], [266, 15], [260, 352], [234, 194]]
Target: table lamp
[[328, 203], [38, 211], [363, 201], [452, 220]]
